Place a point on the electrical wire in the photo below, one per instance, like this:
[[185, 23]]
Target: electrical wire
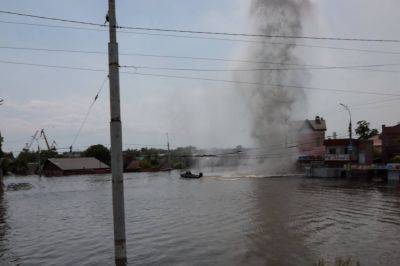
[[261, 84], [357, 67], [199, 32], [88, 112], [303, 66], [204, 79], [208, 38]]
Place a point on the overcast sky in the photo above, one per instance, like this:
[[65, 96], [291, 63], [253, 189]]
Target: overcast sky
[[200, 113]]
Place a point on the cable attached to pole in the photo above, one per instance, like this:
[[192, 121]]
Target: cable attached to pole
[[88, 112]]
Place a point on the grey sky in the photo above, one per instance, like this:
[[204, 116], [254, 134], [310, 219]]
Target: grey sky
[[201, 113]]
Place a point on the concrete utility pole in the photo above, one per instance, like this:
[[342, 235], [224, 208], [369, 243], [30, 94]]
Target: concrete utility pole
[[169, 153], [116, 141]]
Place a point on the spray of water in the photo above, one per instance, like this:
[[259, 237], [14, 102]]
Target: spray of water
[[273, 109]]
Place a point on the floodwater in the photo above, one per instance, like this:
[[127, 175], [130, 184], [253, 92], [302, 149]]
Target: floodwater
[[210, 221]]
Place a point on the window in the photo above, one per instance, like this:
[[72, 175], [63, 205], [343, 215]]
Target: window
[[332, 151]]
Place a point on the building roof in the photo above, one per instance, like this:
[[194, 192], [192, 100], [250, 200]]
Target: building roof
[[394, 129], [78, 163], [318, 124]]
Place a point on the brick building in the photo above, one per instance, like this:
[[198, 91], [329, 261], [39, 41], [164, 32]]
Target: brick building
[[337, 151], [308, 137], [390, 137]]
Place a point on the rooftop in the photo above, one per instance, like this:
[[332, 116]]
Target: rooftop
[[78, 163]]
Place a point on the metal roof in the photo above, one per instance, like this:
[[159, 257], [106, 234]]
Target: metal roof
[[78, 163]]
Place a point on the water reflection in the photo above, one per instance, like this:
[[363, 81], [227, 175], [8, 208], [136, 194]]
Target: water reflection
[[275, 239], [213, 220]]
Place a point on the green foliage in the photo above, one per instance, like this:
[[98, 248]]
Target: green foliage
[[364, 132], [178, 165], [395, 159], [20, 165], [6, 164], [98, 151], [1, 146], [145, 164]]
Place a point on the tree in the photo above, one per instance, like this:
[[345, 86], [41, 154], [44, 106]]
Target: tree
[[100, 152], [364, 132], [1, 145]]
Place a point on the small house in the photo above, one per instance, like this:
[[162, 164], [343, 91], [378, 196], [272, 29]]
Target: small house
[[308, 136], [74, 166]]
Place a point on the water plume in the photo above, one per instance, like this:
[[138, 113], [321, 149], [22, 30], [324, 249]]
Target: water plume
[[273, 108]]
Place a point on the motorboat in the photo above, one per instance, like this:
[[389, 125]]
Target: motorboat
[[188, 174]]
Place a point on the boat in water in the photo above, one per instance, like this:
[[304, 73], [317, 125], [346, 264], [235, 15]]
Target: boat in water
[[188, 174]]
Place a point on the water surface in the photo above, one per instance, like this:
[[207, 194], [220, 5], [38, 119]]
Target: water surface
[[213, 220]]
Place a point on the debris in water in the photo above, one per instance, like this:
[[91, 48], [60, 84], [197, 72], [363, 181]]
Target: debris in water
[[18, 186]]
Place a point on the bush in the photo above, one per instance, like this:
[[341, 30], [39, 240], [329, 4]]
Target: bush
[[395, 159]]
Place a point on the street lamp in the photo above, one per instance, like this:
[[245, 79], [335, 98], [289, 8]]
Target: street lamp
[[350, 129]]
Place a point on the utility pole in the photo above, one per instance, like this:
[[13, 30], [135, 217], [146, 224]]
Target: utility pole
[[116, 141], [169, 153]]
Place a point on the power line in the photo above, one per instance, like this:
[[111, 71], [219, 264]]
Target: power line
[[88, 112], [207, 38], [53, 66], [200, 32], [260, 84], [204, 79], [304, 66], [51, 18], [358, 67]]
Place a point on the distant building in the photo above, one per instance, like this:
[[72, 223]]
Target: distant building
[[308, 136], [390, 137], [377, 142], [74, 166], [337, 151]]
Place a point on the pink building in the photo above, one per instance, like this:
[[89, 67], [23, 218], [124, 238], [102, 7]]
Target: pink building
[[310, 135]]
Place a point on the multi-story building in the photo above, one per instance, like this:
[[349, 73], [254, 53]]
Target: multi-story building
[[390, 137]]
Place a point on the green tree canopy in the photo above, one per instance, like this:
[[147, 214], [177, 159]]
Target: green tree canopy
[[100, 152], [364, 132], [1, 146]]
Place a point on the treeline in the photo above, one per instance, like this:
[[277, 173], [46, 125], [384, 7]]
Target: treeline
[[30, 162]]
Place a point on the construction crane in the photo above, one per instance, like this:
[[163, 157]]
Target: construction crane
[[30, 143], [54, 145], [43, 134]]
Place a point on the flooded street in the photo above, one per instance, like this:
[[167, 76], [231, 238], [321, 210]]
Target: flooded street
[[213, 220]]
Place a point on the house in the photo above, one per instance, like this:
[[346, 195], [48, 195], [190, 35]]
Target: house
[[377, 142], [74, 166], [338, 152], [390, 137], [308, 136]]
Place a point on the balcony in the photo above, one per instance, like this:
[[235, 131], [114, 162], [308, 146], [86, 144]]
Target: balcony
[[337, 157]]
